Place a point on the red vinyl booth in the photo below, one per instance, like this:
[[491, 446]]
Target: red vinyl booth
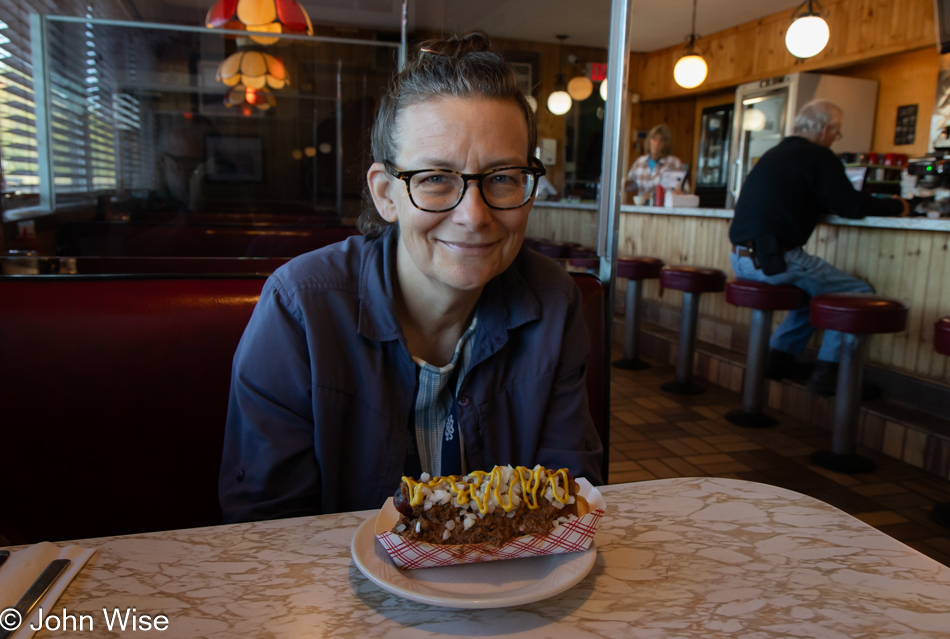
[[114, 393]]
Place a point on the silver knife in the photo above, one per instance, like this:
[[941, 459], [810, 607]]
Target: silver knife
[[37, 591]]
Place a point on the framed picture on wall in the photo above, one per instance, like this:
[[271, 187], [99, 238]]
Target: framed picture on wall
[[235, 159], [526, 65]]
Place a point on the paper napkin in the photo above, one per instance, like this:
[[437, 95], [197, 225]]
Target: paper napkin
[[23, 567]]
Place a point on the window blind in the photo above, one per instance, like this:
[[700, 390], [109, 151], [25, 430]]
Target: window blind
[[83, 119]]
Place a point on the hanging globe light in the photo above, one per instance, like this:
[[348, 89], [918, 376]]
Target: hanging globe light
[[603, 90], [532, 102], [690, 71], [808, 34], [254, 69], [270, 16], [559, 102], [753, 120], [580, 87]]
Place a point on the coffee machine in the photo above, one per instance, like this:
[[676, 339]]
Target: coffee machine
[[926, 180]]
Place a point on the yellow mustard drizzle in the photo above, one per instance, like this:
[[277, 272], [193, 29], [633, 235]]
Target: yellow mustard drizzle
[[463, 492]]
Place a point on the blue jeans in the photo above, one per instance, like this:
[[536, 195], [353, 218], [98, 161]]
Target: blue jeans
[[814, 276]]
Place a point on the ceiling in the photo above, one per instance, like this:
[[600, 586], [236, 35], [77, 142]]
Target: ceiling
[[655, 24]]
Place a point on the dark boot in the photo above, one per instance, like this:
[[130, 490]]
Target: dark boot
[[824, 382], [782, 365], [824, 379], [941, 514]]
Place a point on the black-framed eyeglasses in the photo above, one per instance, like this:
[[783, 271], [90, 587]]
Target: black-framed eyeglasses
[[440, 190]]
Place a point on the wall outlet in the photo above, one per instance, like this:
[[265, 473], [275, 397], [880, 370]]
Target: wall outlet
[[548, 148]]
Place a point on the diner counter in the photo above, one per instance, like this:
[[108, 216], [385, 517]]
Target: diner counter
[[913, 223], [688, 557]]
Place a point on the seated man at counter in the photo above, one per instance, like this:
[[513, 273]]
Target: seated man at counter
[[436, 342], [789, 190], [647, 172]]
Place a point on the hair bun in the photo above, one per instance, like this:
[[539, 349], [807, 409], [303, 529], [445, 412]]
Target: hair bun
[[456, 46]]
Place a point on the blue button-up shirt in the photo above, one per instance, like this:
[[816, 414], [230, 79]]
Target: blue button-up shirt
[[323, 386]]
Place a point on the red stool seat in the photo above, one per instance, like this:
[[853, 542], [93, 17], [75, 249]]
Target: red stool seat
[[586, 262], [942, 335], [692, 279], [581, 251], [554, 250], [639, 268], [858, 313], [765, 297]]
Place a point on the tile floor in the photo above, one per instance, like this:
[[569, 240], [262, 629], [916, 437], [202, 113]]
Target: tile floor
[[655, 435]]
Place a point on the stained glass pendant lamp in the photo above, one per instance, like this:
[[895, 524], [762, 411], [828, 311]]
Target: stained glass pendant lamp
[[271, 16], [253, 69]]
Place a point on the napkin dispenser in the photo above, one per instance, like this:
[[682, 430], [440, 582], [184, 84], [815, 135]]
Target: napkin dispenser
[[681, 200]]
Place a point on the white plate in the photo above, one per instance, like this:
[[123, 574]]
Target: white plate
[[490, 584]]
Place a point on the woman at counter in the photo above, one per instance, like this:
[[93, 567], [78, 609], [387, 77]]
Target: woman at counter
[[433, 343], [646, 173]]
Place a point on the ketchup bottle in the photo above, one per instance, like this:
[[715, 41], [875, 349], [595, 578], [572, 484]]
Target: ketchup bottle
[[658, 198]]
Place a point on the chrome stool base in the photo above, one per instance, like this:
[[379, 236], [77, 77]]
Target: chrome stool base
[[843, 463], [629, 364], [748, 419], [682, 388]]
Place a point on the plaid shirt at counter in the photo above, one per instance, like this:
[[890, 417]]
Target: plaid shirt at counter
[[648, 180]]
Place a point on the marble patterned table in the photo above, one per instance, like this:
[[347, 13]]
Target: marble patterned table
[[691, 557]]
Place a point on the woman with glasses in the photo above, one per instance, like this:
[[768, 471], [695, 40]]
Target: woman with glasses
[[433, 343]]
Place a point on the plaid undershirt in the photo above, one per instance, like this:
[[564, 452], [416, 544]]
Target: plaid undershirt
[[434, 418]]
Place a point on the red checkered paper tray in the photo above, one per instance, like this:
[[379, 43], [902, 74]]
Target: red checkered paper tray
[[570, 537]]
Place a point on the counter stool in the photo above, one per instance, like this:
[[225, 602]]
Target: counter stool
[[941, 513], [693, 281], [942, 335], [590, 262], [635, 270], [856, 315], [762, 298], [554, 250]]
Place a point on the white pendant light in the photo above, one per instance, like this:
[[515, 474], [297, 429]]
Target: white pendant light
[[691, 69], [753, 120], [603, 90], [808, 34], [532, 102], [559, 102]]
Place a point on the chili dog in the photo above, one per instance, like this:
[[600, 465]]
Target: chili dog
[[486, 507]]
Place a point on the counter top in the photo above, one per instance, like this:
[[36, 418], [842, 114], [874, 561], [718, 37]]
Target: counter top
[[687, 557], [910, 223]]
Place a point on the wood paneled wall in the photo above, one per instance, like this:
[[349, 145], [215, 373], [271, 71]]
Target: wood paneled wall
[[860, 30], [909, 265], [905, 78], [550, 125]]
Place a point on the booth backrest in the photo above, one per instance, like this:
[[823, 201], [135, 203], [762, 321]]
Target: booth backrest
[[134, 239], [114, 394], [114, 391], [592, 292]]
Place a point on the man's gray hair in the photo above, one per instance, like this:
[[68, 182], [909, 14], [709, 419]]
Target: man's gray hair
[[814, 117]]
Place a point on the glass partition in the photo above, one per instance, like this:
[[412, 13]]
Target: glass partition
[[155, 127]]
